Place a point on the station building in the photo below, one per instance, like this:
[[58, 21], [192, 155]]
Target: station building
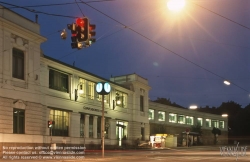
[[176, 125], [35, 89]]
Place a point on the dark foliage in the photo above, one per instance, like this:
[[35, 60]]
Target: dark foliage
[[167, 102], [196, 128]]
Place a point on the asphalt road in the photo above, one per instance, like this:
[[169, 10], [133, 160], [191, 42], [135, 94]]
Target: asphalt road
[[204, 154]]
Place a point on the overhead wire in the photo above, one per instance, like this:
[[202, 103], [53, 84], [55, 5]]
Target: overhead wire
[[166, 48], [79, 8], [35, 11], [147, 38], [62, 4], [222, 16]]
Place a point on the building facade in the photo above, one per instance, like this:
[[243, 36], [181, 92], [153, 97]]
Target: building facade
[[181, 123], [36, 89]]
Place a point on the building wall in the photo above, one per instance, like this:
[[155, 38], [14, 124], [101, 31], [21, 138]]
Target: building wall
[[162, 127], [34, 95]]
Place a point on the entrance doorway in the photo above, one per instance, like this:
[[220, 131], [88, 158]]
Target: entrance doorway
[[121, 131]]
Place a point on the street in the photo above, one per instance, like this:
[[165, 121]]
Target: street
[[210, 153]]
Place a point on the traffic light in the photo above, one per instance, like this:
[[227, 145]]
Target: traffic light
[[50, 124], [72, 28], [82, 29], [63, 34], [91, 34]]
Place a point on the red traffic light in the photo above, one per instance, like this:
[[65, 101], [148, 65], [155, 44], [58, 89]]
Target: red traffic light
[[80, 22], [50, 124]]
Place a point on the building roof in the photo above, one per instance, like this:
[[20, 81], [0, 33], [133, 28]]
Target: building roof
[[81, 70]]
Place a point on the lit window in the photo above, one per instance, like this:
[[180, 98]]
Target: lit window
[[215, 123], [172, 118], [61, 120], [82, 87], [199, 121], [58, 81], [106, 98], [91, 90], [189, 120], [82, 123], [151, 114], [161, 116], [121, 99], [181, 119], [221, 124], [208, 122], [17, 64]]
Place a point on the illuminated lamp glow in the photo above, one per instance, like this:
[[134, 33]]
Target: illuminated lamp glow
[[80, 22], [176, 5], [224, 115], [226, 82], [118, 102], [193, 107]]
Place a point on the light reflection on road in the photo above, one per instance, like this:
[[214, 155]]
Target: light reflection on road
[[166, 155]]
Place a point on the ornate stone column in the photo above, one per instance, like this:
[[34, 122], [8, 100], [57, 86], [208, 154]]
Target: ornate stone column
[[95, 126]]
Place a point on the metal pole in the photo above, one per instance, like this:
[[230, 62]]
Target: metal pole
[[103, 126], [50, 135]]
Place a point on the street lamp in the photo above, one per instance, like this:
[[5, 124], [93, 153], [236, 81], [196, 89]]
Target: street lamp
[[103, 88], [227, 82], [193, 107], [176, 5], [224, 115]]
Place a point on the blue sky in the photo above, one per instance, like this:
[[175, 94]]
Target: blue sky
[[184, 56]]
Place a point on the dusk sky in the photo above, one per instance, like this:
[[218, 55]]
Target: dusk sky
[[185, 56]]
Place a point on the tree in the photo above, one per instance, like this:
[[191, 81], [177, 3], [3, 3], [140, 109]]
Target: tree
[[167, 102], [216, 132], [197, 129]]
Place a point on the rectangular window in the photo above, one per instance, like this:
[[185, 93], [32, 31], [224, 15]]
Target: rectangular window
[[161, 116], [99, 127], [141, 103], [221, 124], [82, 87], [106, 98], [82, 121], [18, 121], [172, 118], [208, 122], [189, 120], [17, 64], [151, 114], [61, 122], [121, 99], [106, 128], [142, 134], [215, 123], [91, 90], [58, 81], [181, 119], [199, 121]]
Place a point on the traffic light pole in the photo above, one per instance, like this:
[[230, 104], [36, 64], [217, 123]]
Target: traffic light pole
[[103, 126], [50, 135]]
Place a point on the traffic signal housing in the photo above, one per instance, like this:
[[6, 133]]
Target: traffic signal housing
[[74, 42], [92, 33], [82, 29], [50, 124]]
